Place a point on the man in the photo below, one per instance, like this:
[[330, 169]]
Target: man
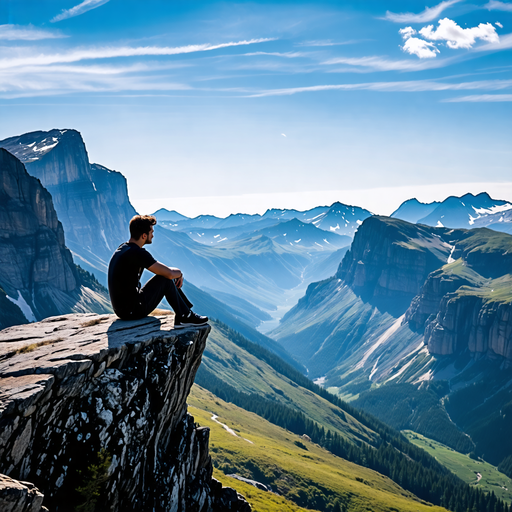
[[129, 300]]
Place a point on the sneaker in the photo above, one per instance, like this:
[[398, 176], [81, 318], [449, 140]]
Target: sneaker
[[190, 320]]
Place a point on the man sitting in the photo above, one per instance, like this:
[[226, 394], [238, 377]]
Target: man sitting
[[129, 300]]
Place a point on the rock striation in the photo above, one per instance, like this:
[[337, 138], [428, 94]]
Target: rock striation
[[38, 277], [75, 385], [469, 321], [91, 201]]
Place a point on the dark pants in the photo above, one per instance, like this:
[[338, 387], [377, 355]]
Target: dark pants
[[154, 291]]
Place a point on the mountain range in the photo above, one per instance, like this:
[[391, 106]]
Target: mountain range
[[467, 211], [416, 314]]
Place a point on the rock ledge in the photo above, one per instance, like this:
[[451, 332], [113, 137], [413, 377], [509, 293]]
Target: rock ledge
[[73, 385]]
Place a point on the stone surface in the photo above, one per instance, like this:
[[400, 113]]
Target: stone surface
[[73, 385], [18, 496]]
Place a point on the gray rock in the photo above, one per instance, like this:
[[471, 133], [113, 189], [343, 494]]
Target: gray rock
[[73, 385]]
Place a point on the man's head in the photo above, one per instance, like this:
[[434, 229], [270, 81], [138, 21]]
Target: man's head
[[141, 228]]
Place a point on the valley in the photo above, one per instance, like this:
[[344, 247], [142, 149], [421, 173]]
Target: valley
[[404, 323]]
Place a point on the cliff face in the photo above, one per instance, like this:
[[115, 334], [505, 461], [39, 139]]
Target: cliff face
[[428, 301], [37, 271], [390, 259], [74, 385], [468, 321], [91, 201]]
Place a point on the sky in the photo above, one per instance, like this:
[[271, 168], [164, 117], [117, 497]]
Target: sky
[[236, 107]]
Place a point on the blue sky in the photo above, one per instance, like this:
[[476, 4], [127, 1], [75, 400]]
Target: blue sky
[[220, 107]]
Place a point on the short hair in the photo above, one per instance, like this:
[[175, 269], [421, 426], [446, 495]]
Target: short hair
[[140, 225]]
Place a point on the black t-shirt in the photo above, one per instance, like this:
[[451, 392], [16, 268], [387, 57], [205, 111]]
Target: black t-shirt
[[124, 271]]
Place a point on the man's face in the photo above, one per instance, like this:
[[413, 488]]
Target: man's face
[[149, 239]]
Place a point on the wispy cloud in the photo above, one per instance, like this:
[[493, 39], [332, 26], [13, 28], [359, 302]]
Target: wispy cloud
[[329, 42], [481, 98], [429, 14], [286, 55], [504, 43], [113, 52], [496, 5], [376, 63], [26, 33], [86, 5], [54, 80], [404, 86]]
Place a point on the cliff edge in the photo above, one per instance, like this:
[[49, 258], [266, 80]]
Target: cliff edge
[[93, 404]]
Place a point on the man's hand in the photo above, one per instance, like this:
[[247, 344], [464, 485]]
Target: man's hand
[[169, 272]]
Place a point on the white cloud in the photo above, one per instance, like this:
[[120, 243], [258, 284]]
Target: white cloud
[[429, 14], [106, 53], [26, 33], [495, 5], [458, 37], [86, 5], [499, 24], [482, 98], [407, 32], [422, 49]]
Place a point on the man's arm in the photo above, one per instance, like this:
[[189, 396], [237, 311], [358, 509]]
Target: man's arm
[[169, 272]]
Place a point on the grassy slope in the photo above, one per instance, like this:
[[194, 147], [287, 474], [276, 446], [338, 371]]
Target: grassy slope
[[249, 374], [267, 453], [465, 467]]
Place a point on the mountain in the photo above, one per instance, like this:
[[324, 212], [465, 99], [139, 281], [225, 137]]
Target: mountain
[[91, 200], [169, 215], [412, 210], [338, 218], [341, 219], [214, 236], [430, 308], [37, 277], [460, 212], [299, 234]]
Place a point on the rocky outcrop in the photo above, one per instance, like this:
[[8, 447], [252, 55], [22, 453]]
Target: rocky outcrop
[[468, 321], [91, 201], [19, 496], [37, 273], [81, 389], [390, 259]]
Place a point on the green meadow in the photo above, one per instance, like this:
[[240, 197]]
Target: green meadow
[[473, 472], [301, 473]]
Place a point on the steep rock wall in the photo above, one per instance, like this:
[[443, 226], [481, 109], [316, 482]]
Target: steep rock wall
[[390, 259], [91, 201], [469, 321], [37, 272], [427, 302], [71, 386]]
